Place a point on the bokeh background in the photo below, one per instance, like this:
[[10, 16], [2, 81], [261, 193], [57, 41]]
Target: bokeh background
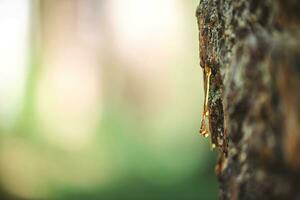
[[102, 99]]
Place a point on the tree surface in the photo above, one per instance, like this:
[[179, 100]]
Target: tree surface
[[252, 50]]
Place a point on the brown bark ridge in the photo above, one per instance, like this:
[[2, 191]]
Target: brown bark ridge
[[253, 50]]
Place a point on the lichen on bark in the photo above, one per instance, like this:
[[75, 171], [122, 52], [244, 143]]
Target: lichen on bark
[[253, 49]]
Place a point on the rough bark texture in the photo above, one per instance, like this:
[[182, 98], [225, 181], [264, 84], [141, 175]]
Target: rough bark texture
[[253, 49]]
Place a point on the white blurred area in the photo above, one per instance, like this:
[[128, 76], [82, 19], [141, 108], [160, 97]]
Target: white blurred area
[[14, 47], [93, 53], [151, 30]]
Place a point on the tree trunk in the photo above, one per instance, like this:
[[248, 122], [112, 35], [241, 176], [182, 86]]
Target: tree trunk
[[252, 48]]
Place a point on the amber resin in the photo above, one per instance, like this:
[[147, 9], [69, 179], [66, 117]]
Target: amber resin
[[204, 129]]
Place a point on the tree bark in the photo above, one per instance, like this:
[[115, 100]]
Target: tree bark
[[253, 50]]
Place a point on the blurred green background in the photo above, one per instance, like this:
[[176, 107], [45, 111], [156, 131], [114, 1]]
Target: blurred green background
[[102, 99]]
